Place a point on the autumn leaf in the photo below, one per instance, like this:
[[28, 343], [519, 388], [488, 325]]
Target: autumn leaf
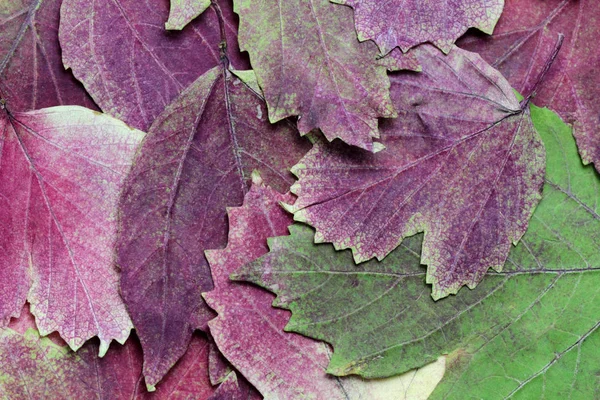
[[31, 71], [38, 367], [61, 173], [525, 38], [135, 80], [531, 326], [196, 161], [407, 23], [182, 12], [296, 365], [312, 66], [462, 163]]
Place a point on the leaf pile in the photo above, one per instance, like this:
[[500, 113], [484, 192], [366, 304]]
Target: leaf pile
[[283, 200]]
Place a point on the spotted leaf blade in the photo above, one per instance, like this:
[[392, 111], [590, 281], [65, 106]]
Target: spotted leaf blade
[[246, 320], [408, 23], [462, 163], [530, 328], [309, 64], [182, 12], [196, 162], [524, 40]]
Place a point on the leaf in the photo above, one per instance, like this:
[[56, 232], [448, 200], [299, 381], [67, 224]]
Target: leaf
[[525, 38], [196, 161], [463, 164], [407, 23], [249, 331], [137, 79], [46, 368], [61, 173], [31, 71], [533, 325], [182, 12], [308, 63]]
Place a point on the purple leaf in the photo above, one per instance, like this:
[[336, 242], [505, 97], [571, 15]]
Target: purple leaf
[[129, 64], [524, 39], [196, 161], [309, 63], [462, 163], [31, 71], [407, 23], [61, 172]]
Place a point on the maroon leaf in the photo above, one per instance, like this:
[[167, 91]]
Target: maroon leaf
[[136, 79], [31, 71], [61, 172], [196, 161], [524, 39], [37, 367], [309, 63], [463, 164], [407, 23]]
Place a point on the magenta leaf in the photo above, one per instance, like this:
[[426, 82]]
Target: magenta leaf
[[61, 172], [523, 41], [31, 71], [309, 63], [462, 163], [407, 23], [196, 161], [136, 79]]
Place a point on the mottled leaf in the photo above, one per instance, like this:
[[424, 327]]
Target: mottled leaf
[[136, 79], [523, 41], [61, 172], [407, 23], [309, 64], [463, 164], [47, 369], [250, 332], [182, 12], [196, 161], [529, 331], [31, 71]]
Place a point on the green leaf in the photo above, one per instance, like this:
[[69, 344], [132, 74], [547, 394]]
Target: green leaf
[[526, 330]]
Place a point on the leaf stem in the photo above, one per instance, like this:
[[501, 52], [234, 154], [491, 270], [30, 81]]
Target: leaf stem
[[223, 43], [544, 72]]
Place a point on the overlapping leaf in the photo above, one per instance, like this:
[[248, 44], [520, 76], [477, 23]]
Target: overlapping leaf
[[31, 71], [463, 164], [407, 23], [61, 171], [196, 161], [35, 367], [182, 12], [312, 66], [528, 332], [136, 79], [280, 365], [523, 41]]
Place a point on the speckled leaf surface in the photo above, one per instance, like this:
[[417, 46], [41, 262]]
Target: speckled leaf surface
[[136, 79], [31, 71], [407, 23], [196, 161], [35, 367], [280, 365], [463, 164], [182, 12], [61, 171], [529, 331], [309, 64], [523, 41]]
